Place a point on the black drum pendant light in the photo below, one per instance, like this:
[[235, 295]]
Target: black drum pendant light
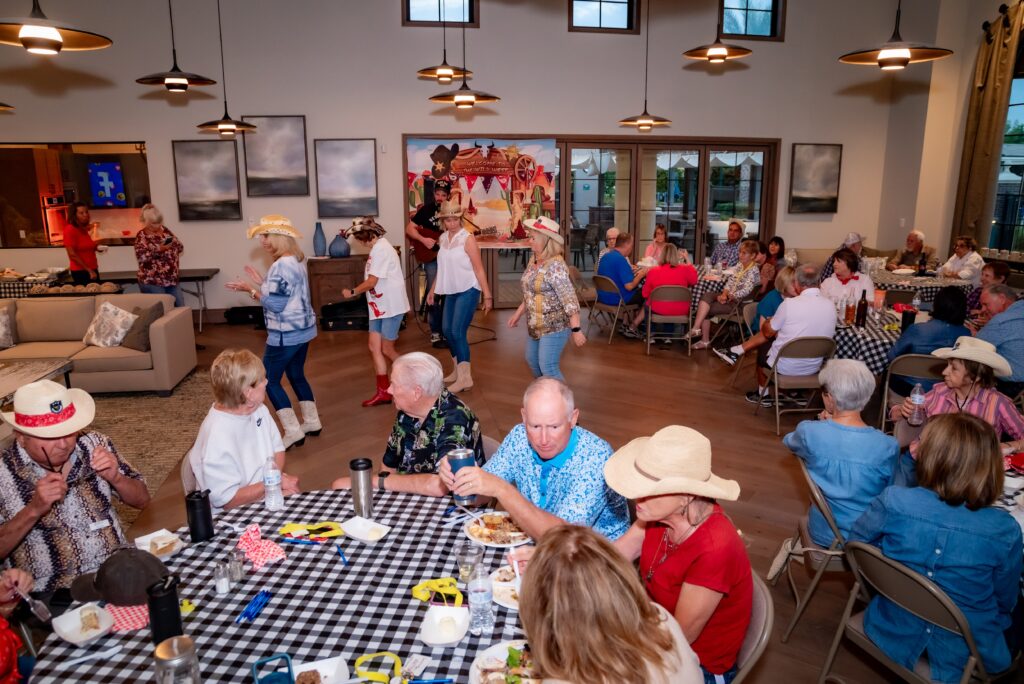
[[465, 97], [645, 122], [443, 73], [895, 54], [175, 80], [43, 36], [225, 126]]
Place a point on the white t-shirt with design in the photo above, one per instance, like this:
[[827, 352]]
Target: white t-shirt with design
[[388, 297]]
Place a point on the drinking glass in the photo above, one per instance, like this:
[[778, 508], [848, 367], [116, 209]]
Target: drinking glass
[[468, 555]]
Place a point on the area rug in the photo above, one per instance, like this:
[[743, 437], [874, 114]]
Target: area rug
[[153, 433]]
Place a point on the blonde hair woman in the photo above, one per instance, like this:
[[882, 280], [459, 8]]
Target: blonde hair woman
[[549, 300], [582, 607], [291, 324], [237, 436], [157, 250]]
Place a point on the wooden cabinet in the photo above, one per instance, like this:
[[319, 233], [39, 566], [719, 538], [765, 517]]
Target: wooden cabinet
[[48, 176], [328, 277]]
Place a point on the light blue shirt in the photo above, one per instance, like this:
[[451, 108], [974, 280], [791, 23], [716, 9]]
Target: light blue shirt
[[570, 486], [1006, 331], [286, 304]]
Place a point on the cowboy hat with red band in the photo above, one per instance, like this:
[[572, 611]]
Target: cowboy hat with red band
[[542, 224], [47, 409]]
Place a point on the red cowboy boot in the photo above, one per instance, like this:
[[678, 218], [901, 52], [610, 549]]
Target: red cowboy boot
[[382, 396]]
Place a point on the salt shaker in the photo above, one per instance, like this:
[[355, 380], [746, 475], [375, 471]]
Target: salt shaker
[[236, 567], [222, 578]]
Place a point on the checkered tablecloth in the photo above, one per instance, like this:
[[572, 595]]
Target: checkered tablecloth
[[15, 288], [319, 609], [870, 344], [1013, 487], [704, 285], [926, 287]]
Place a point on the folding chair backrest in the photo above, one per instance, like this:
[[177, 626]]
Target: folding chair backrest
[[821, 503], [762, 617], [605, 284], [670, 293], [808, 348], [918, 366], [491, 446], [899, 297], [750, 313]]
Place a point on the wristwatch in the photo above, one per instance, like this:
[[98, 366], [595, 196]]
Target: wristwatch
[[576, 329], [381, 476]]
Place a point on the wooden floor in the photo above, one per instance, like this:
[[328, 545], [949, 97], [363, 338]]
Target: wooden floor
[[621, 394]]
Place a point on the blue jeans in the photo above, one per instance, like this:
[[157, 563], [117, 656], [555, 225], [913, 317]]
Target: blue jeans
[[174, 290], [543, 355], [458, 314], [433, 312], [288, 360]]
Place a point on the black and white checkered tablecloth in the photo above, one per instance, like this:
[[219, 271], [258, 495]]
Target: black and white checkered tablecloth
[[704, 285], [1013, 488], [15, 288], [870, 344], [320, 608], [926, 287]]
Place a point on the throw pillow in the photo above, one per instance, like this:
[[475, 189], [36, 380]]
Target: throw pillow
[[109, 326], [138, 335], [6, 331]]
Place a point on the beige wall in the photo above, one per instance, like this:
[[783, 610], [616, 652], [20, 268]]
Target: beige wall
[[348, 66]]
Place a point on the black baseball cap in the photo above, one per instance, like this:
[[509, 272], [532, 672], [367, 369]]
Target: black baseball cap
[[443, 185], [122, 579]]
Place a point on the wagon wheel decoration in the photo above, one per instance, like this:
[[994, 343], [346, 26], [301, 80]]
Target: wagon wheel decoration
[[525, 169]]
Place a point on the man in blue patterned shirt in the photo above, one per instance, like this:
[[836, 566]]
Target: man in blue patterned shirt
[[547, 471], [729, 251]]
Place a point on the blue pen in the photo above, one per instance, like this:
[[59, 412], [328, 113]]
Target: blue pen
[[304, 542], [341, 553], [448, 511], [430, 681]]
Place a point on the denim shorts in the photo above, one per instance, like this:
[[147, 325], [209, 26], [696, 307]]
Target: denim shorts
[[387, 327]]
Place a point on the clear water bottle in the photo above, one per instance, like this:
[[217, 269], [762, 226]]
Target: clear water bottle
[[273, 499], [916, 416], [481, 593], [707, 265], [916, 301]]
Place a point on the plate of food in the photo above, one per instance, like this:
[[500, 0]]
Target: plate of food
[[904, 271], [162, 543], [365, 530], [83, 625], [502, 662], [506, 595], [327, 671], [496, 529]]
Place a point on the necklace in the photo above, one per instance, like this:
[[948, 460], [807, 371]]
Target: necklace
[[669, 546], [960, 407]]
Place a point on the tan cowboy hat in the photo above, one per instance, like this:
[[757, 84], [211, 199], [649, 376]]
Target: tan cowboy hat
[[973, 349], [450, 209], [364, 224], [674, 460], [274, 224], [47, 409], [542, 224]]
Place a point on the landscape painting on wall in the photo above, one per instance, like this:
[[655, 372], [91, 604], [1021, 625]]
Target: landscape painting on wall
[[206, 176], [814, 178], [346, 177], [276, 163]]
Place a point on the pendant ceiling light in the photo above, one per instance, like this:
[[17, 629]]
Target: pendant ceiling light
[[42, 36], [464, 97], [175, 80], [645, 122], [895, 54], [4, 107], [443, 73], [226, 126], [717, 52]]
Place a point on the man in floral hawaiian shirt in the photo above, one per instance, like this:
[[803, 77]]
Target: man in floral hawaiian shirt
[[430, 422]]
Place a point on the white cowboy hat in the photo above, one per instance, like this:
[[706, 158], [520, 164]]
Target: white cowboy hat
[[450, 209], [973, 349], [47, 409], [274, 224], [674, 460], [542, 224], [852, 239]]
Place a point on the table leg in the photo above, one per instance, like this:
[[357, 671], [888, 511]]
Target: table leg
[[200, 294], [67, 379]]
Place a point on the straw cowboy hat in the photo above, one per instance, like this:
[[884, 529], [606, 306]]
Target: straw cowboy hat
[[852, 239], [739, 222], [674, 460], [47, 409], [973, 349], [544, 225], [274, 224], [364, 224], [450, 209]]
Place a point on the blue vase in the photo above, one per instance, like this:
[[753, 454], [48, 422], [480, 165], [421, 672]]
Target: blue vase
[[339, 247], [319, 241]]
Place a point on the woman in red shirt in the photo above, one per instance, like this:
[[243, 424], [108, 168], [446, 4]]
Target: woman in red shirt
[[669, 272], [80, 246], [692, 560]]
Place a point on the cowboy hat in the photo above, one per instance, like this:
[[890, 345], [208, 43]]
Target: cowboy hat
[[274, 224], [47, 409], [852, 239], [972, 349], [122, 579], [364, 224], [450, 209], [674, 460], [542, 224], [738, 221]]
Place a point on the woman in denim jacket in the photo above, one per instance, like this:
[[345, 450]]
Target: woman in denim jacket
[[291, 324], [947, 530]]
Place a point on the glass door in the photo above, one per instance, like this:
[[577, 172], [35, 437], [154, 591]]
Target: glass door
[[735, 188], [599, 186], [669, 197]]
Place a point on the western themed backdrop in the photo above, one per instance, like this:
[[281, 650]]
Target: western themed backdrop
[[499, 183]]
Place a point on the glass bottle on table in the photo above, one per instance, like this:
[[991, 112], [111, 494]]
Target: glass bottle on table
[[861, 315]]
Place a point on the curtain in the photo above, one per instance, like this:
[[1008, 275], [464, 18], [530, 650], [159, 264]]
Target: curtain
[[983, 133]]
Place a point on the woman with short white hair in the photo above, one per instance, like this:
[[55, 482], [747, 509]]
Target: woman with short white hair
[[850, 461], [157, 250]]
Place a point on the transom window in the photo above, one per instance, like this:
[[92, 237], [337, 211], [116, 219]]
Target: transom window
[[618, 16], [757, 19], [431, 12]]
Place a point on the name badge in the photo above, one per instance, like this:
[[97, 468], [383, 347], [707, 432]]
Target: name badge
[[99, 525]]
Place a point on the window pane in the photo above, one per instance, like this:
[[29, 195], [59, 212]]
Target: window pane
[[614, 15], [741, 4], [759, 23], [586, 13], [456, 11], [734, 21], [761, 5]]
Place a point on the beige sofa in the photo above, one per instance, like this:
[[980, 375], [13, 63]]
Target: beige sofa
[[819, 256], [55, 326]]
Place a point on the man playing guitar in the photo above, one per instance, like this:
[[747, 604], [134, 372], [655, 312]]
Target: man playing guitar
[[423, 232]]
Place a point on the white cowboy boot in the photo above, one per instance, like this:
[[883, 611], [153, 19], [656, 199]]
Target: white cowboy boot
[[454, 375], [310, 418], [465, 378], [293, 434]]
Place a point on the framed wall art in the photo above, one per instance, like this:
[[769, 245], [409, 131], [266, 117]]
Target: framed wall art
[[206, 177], [346, 177], [276, 160], [814, 178]]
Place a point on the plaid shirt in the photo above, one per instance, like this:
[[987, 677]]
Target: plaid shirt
[[992, 406], [81, 530], [549, 296], [729, 252], [416, 447]]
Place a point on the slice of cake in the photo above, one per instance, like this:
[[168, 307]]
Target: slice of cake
[[90, 617]]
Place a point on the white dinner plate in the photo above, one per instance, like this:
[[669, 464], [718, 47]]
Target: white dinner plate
[[497, 652], [506, 595], [142, 543], [69, 626], [471, 521], [904, 271], [364, 530], [332, 670]]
